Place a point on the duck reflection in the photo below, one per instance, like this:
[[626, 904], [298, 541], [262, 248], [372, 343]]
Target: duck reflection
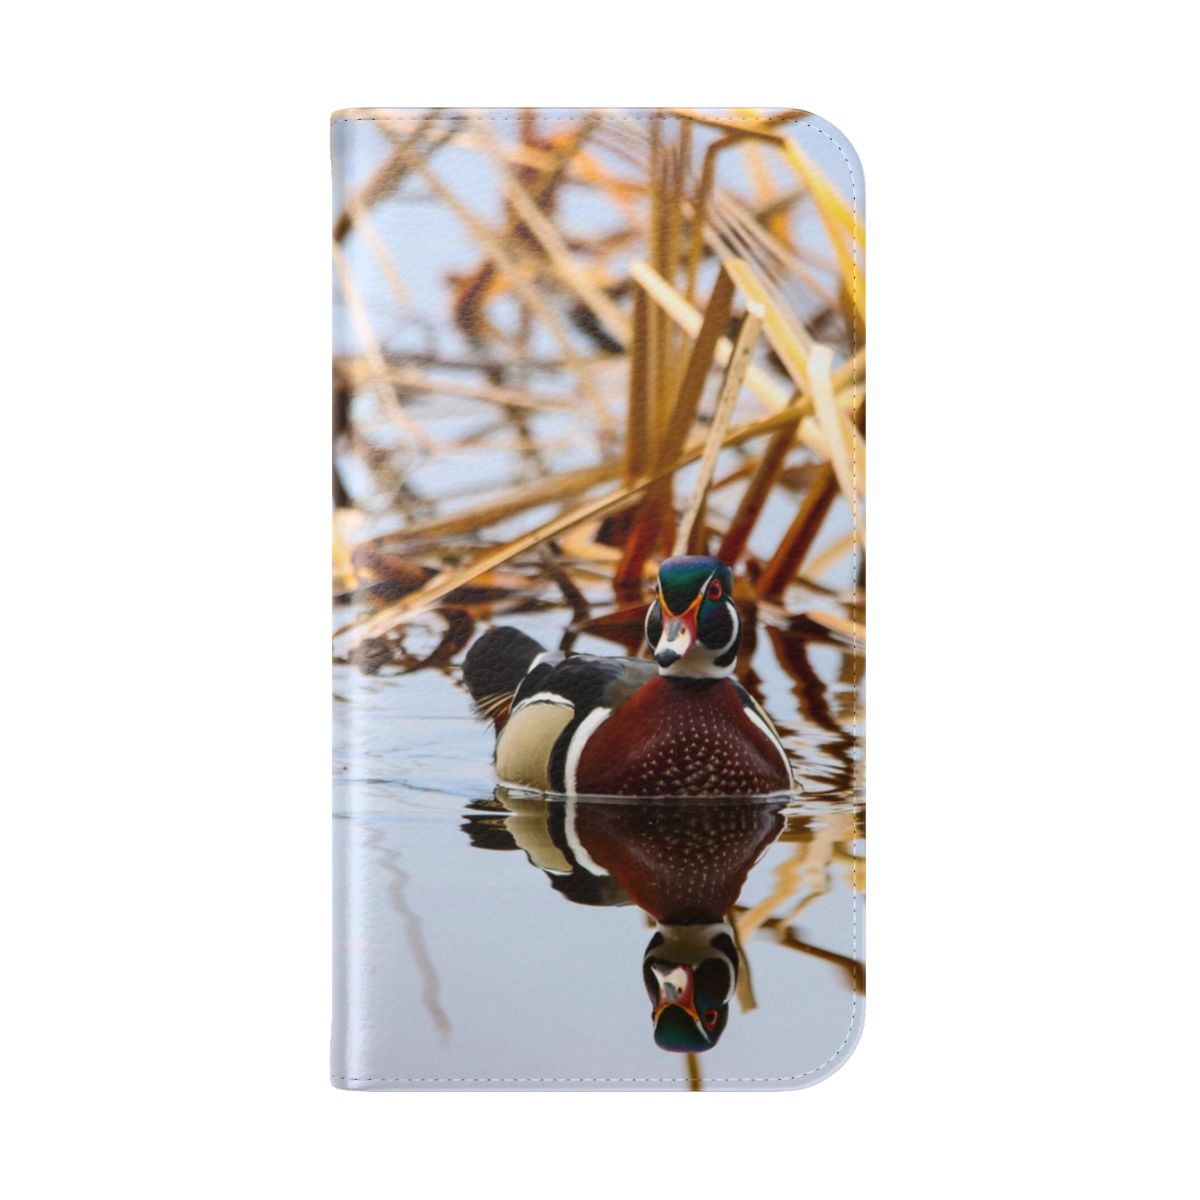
[[683, 863]]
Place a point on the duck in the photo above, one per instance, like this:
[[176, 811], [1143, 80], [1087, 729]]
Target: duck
[[677, 724], [683, 864]]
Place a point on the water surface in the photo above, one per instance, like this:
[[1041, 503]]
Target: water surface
[[486, 938]]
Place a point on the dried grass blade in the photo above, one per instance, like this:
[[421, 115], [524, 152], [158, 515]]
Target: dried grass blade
[[831, 555], [493, 246], [792, 347], [685, 315], [739, 361], [447, 581], [385, 179], [732, 221], [789, 555], [557, 251], [757, 490], [385, 393], [369, 231], [418, 381], [736, 125], [841, 226], [637, 426], [556, 487], [705, 345], [834, 423], [700, 210], [656, 510], [830, 205]]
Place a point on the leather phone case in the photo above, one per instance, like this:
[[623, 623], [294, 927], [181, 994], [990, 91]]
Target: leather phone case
[[599, 581]]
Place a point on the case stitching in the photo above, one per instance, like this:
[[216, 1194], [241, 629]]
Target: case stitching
[[854, 675]]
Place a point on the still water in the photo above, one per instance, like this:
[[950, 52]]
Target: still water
[[491, 938]]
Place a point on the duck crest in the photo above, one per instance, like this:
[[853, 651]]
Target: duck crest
[[680, 584]]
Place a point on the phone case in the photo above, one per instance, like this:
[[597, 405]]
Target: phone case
[[599, 599]]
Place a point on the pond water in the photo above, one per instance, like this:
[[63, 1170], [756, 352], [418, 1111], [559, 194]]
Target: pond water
[[487, 938]]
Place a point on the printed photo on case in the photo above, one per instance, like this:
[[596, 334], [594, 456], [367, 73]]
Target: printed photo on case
[[599, 581]]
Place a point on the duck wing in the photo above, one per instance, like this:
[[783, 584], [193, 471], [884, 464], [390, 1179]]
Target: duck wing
[[559, 695], [585, 681]]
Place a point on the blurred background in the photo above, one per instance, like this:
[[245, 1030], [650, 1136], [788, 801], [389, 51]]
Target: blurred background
[[570, 343]]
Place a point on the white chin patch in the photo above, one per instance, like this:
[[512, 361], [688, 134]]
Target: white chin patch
[[681, 643], [697, 663]]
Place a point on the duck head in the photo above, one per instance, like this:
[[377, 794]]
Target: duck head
[[690, 972], [693, 626]]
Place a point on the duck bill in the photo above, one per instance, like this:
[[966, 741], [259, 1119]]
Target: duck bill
[[678, 635], [676, 989]]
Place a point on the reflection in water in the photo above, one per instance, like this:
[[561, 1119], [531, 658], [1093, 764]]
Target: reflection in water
[[683, 863], [656, 916], [389, 862]]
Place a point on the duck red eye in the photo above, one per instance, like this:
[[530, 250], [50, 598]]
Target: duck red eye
[[714, 591], [710, 1017]]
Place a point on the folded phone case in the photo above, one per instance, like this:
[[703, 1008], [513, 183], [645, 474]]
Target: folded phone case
[[599, 577]]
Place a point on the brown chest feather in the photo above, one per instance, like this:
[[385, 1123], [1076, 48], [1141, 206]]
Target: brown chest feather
[[679, 739]]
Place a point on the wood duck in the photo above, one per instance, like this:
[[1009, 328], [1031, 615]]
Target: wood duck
[[683, 864], [583, 724]]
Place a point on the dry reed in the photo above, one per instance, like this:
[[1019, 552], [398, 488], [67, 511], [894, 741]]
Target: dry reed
[[775, 347]]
